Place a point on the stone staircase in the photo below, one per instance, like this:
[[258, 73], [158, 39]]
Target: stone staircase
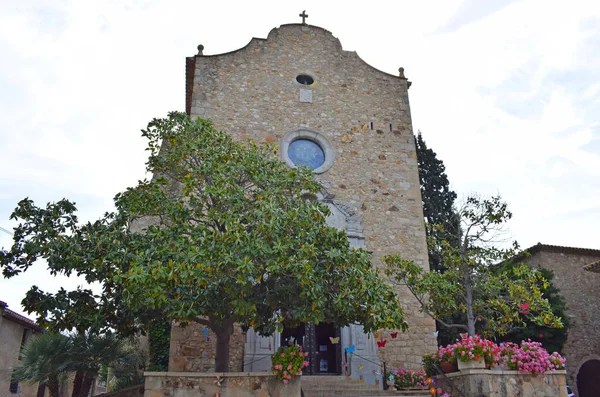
[[334, 386]]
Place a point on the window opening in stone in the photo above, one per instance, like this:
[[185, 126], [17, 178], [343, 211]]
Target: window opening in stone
[[371, 124], [391, 127], [307, 153], [304, 79]]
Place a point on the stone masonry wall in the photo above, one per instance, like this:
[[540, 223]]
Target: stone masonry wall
[[581, 291], [253, 94], [190, 351], [230, 384], [486, 383]]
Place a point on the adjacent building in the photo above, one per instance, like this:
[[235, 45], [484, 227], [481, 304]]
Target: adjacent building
[[15, 331], [580, 287]]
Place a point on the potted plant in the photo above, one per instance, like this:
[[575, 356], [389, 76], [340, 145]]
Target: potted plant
[[288, 362], [473, 352]]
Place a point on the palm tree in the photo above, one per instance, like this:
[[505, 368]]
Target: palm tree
[[44, 359], [89, 352], [49, 356]]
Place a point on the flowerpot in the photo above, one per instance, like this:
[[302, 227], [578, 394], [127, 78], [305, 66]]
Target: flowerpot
[[449, 366], [471, 364], [499, 368], [361, 377]]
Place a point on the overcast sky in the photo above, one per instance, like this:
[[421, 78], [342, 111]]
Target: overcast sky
[[506, 92]]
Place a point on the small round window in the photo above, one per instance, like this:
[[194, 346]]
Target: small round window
[[307, 153], [304, 79]]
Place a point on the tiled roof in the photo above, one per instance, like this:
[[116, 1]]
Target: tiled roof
[[17, 318], [563, 250]]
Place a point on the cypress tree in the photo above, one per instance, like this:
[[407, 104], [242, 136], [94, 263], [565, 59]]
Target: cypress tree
[[441, 222]]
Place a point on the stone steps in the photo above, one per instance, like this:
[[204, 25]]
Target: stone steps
[[334, 386]]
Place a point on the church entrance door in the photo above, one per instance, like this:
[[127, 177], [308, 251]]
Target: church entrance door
[[324, 356]]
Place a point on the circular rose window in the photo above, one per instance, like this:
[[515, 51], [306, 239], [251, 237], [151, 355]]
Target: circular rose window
[[306, 153], [307, 148]]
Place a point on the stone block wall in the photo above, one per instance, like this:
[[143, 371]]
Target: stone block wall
[[231, 384], [190, 351], [486, 383], [252, 93], [581, 290], [133, 391]]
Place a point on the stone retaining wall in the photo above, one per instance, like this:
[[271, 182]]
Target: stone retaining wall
[[230, 384], [492, 383], [133, 391]]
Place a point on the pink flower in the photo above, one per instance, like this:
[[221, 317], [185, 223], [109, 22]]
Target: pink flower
[[292, 354], [289, 367], [282, 354], [285, 381]]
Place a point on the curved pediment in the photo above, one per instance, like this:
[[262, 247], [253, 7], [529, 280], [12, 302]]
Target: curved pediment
[[317, 33]]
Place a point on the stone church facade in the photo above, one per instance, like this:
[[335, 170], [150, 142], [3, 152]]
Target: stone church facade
[[327, 108]]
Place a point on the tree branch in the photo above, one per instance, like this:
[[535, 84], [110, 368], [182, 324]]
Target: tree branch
[[461, 326], [202, 321]]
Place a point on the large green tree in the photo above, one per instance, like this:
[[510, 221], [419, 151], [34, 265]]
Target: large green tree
[[441, 221], [493, 302], [222, 234]]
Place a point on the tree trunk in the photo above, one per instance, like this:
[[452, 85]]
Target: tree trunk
[[469, 301], [77, 383], [53, 385], [87, 384], [222, 356]]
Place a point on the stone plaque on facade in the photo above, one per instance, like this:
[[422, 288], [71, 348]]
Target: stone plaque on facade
[[306, 95]]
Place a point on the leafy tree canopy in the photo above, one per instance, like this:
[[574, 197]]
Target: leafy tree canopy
[[494, 301], [221, 234], [552, 338]]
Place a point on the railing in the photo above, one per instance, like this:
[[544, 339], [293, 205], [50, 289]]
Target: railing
[[448, 382], [244, 363], [381, 366]]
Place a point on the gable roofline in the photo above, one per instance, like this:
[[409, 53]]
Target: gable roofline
[[17, 318], [539, 247], [190, 62]]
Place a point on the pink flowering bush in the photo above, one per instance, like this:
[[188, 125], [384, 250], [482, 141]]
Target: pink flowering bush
[[527, 358], [288, 361], [407, 378], [469, 348]]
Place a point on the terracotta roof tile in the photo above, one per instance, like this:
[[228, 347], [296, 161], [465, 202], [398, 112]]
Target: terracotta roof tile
[[17, 318], [564, 250]]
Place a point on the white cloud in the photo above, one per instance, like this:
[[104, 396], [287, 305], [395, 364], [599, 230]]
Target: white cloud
[[506, 92]]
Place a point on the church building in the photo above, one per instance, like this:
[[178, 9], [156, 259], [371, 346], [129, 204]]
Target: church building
[[327, 109]]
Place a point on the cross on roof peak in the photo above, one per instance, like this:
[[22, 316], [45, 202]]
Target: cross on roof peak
[[304, 15]]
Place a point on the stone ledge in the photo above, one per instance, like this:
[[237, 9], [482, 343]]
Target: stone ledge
[[209, 374], [481, 371]]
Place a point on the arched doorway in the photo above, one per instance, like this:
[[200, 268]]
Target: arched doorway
[[588, 379]]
